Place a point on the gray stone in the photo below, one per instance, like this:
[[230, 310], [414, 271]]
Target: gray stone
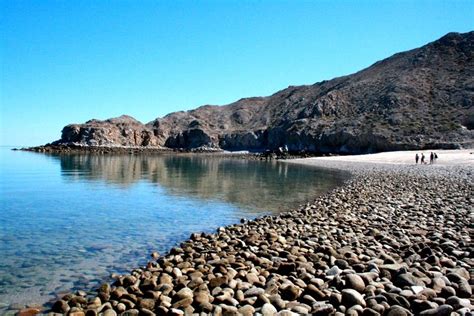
[[335, 270], [443, 310], [351, 297], [268, 310], [398, 311]]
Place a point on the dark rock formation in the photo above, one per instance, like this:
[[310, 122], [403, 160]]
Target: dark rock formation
[[417, 99]]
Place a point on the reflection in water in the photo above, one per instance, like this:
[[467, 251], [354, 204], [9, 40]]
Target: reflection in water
[[271, 186], [68, 221]]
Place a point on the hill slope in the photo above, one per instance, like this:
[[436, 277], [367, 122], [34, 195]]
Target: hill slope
[[415, 99]]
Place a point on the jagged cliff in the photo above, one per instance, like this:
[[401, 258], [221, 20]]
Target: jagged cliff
[[416, 99]]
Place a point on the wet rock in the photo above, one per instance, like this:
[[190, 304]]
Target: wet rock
[[105, 288], [129, 280], [81, 293], [118, 292], [94, 303], [60, 307], [77, 300], [28, 311]]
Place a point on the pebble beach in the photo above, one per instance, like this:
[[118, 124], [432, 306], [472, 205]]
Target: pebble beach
[[394, 240]]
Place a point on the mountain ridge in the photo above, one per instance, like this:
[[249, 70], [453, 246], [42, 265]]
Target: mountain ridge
[[415, 99]]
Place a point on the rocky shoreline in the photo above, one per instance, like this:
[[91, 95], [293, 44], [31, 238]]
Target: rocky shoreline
[[395, 240], [85, 149], [138, 150]]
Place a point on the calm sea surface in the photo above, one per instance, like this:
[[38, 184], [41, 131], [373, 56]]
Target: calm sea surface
[[68, 221]]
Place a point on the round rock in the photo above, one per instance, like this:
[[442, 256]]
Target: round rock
[[351, 297], [268, 310], [353, 281]]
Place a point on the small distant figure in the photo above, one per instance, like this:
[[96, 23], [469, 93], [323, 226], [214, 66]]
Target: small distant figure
[[417, 158], [435, 156], [422, 158], [431, 158]]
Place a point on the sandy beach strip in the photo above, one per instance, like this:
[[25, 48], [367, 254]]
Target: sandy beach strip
[[461, 157]]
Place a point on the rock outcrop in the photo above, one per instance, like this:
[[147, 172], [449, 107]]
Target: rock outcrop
[[416, 99], [123, 131]]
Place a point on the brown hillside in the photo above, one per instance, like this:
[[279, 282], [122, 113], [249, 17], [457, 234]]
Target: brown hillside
[[415, 99]]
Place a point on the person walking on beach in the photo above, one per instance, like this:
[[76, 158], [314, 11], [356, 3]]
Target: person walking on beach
[[431, 158], [422, 158], [417, 158]]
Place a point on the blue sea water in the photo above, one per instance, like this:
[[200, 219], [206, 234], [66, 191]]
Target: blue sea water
[[68, 221]]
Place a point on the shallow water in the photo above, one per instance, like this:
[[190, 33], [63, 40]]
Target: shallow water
[[68, 221]]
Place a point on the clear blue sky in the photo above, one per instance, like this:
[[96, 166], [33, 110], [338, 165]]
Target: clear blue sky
[[69, 61]]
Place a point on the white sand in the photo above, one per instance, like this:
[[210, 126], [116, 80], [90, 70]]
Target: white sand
[[445, 158]]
